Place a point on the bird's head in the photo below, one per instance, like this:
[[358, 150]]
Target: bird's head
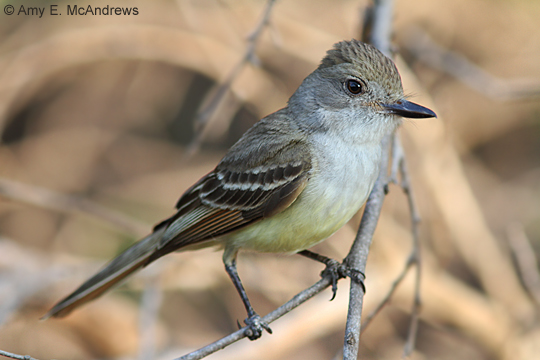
[[356, 82]]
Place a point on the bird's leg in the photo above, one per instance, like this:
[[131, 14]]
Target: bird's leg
[[254, 323], [335, 270]]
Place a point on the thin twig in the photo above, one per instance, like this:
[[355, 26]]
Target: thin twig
[[399, 166], [15, 356], [218, 95], [48, 199], [526, 261], [380, 37], [415, 257], [426, 50], [395, 168], [388, 295], [297, 300]]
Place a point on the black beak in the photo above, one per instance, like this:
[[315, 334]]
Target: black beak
[[409, 110]]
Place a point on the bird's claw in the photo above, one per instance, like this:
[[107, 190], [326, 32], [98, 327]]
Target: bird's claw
[[255, 326], [335, 271]]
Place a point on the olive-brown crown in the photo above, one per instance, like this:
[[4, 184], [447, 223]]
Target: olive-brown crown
[[368, 61]]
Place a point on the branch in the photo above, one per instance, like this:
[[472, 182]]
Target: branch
[[526, 261], [297, 300], [381, 16], [217, 96], [357, 257], [399, 166], [388, 295], [15, 356], [424, 49], [415, 256]]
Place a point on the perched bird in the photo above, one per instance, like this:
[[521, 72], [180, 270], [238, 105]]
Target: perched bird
[[291, 181]]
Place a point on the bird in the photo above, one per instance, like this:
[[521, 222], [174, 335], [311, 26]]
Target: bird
[[292, 180]]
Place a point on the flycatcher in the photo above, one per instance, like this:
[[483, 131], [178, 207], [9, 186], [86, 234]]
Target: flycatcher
[[290, 182]]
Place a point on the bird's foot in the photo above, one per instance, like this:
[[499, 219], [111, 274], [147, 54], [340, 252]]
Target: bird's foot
[[335, 271], [355, 275], [255, 326]]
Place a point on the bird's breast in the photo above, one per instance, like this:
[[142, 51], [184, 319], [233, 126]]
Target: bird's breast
[[340, 182]]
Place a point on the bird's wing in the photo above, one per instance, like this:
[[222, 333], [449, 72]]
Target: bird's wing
[[241, 190], [253, 181]]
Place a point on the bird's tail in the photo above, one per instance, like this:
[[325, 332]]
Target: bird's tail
[[125, 264]]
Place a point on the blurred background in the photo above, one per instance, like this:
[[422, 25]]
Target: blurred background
[[106, 119]]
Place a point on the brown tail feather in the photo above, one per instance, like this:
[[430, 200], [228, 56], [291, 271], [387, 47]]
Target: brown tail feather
[[125, 264]]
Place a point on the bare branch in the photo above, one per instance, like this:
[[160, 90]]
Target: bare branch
[[48, 199], [422, 46], [388, 295], [218, 95], [527, 263], [399, 165], [415, 257], [382, 16], [357, 257], [15, 356], [297, 300]]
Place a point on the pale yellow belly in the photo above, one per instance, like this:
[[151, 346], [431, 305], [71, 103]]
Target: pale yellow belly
[[308, 221]]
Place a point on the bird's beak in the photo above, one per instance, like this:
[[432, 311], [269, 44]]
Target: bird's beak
[[409, 110]]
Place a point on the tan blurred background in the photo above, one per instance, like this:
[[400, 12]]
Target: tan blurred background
[[98, 142]]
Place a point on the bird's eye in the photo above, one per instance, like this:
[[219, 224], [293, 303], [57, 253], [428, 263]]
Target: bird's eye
[[354, 86]]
